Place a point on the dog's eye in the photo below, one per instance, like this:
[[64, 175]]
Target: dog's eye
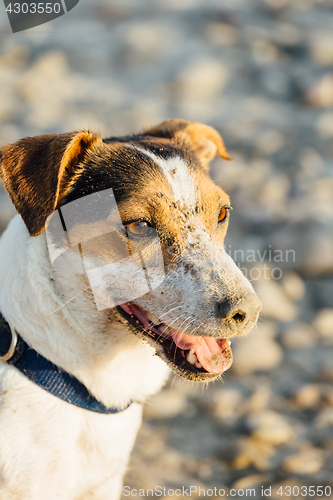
[[223, 214], [139, 228]]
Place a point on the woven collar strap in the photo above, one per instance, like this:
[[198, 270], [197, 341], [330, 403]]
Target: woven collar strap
[[15, 351]]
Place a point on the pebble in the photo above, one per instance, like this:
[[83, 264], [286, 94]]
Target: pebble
[[203, 79], [273, 193], [263, 51], [321, 95], [16, 55], [299, 336], [276, 304], [319, 256], [271, 428], [308, 396], [221, 34], [328, 395], [253, 452], [293, 285], [323, 323], [324, 125], [326, 373], [287, 34], [324, 418], [311, 162], [149, 38], [270, 142], [260, 399], [307, 461], [226, 403], [258, 351], [321, 47]]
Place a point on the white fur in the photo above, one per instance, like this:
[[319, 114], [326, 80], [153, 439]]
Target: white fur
[[178, 176], [51, 449]]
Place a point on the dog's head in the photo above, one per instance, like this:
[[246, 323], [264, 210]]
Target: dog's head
[[161, 185]]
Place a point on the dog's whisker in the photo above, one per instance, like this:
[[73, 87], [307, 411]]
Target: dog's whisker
[[65, 304], [188, 325], [166, 326], [193, 332], [171, 304], [174, 321], [170, 310], [173, 381], [189, 317]]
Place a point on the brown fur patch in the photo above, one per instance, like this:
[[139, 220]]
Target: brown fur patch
[[33, 171], [204, 140]]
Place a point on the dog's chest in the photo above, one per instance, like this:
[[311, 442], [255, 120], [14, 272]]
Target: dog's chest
[[103, 446], [70, 450]]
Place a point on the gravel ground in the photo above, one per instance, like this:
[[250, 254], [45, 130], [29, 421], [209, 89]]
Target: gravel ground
[[261, 72]]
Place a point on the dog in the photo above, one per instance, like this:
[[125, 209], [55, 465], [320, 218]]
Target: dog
[[78, 364]]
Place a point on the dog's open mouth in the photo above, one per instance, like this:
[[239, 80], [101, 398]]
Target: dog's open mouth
[[191, 356]]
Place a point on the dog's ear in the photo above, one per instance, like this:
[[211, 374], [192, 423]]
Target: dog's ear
[[38, 171], [205, 140]]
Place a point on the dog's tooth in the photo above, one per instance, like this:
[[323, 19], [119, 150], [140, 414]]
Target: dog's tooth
[[192, 357], [198, 364], [229, 342]]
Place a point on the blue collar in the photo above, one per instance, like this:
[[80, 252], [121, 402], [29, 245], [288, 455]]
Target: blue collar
[[15, 351]]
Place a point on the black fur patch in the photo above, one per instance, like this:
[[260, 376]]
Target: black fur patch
[[124, 168]]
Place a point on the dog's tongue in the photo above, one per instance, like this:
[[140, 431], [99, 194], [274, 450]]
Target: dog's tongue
[[214, 354]]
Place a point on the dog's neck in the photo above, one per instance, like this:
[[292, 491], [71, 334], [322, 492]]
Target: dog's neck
[[114, 365]]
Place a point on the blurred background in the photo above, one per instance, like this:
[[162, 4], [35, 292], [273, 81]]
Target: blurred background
[[261, 73]]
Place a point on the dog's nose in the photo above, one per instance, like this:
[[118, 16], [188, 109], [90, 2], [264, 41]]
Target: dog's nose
[[227, 311], [239, 311]]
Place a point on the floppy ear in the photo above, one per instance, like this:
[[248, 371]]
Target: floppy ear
[[37, 172], [204, 140]]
